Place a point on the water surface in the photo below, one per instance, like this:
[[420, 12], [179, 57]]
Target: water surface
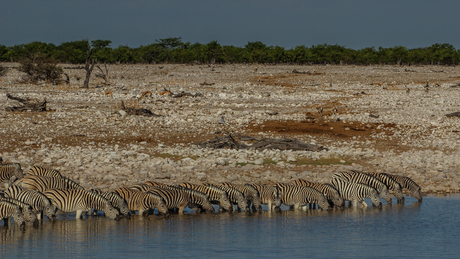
[[412, 230]]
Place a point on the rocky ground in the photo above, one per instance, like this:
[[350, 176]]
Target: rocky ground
[[379, 128]]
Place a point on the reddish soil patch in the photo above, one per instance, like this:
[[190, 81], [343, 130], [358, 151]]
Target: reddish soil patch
[[322, 128]]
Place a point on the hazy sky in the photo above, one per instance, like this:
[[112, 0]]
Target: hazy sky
[[352, 24]]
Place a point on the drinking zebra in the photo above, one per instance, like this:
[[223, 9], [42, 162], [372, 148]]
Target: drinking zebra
[[235, 196], [216, 195], [79, 201], [39, 202], [9, 173], [358, 177], [116, 200], [142, 202], [43, 183], [27, 210], [409, 184], [331, 193], [391, 183], [10, 210], [297, 196], [197, 200], [249, 192], [268, 195], [356, 192], [42, 171], [173, 198]]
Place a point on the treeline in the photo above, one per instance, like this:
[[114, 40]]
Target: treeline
[[173, 50]]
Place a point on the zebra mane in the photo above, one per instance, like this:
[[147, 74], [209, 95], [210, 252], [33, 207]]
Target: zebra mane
[[251, 187], [12, 165], [157, 197], [217, 189]]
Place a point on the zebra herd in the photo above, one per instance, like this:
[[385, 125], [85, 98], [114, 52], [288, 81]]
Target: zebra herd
[[42, 191]]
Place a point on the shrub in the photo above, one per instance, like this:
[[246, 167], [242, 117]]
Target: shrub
[[41, 68]]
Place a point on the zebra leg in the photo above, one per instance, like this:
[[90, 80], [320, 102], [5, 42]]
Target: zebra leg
[[355, 203], [78, 215], [364, 203]]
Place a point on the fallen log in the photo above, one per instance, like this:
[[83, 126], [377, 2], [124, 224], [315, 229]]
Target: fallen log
[[235, 141], [138, 111], [27, 105], [454, 114]]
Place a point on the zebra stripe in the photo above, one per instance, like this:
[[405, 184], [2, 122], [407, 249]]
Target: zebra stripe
[[10, 210], [39, 202], [249, 192], [142, 202], [72, 200], [235, 196], [9, 173], [43, 183], [409, 184], [297, 196], [359, 177], [216, 195], [116, 200], [391, 183], [268, 195], [196, 199], [42, 171], [331, 193], [356, 192], [27, 210]]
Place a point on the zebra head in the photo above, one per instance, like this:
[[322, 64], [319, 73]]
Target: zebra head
[[110, 212], [18, 217], [225, 202], [386, 194], [161, 206], [50, 211], [338, 200], [374, 195], [242, 203], [323, 203], [29, 215], [417, 194], [123, 207], [398, 193]]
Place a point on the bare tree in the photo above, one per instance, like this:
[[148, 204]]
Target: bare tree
[[89, 65], [103, 74]]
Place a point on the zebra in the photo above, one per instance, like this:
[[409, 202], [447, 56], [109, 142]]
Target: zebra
[[391, 183], [39, 202], [9, 173], [70, 200], [235, 196], [249, 192], [42, 171], [10, 210], [358, 177], [331, 193], [142, 202], [268, 195], [173, 198], [297, 196], [27, 210], [216, 195], [196, 199], [409, 184], [116, 200], [356, 192], [43, 183]]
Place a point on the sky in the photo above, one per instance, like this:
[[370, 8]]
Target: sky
[[353, 24]]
